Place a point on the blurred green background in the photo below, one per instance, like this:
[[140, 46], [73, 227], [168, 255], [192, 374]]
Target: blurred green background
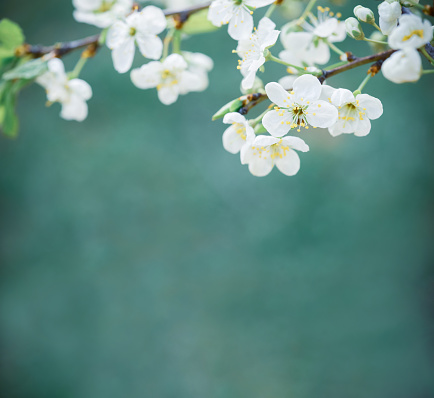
[[139, 259]]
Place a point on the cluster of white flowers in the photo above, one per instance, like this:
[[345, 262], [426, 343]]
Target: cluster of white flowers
[[299, 98]]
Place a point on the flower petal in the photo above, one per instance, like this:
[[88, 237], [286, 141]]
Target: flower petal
[[307, 87], [276, 124], [233, 139], [371, 105], [342, 96], [277, 94], [81, 88], [150, 46], [148, 76], [321, 114], [168, 94], [123, 56], [289, 164], [295, 143], [241, 24]]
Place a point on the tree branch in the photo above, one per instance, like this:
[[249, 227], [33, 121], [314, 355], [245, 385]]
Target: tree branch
[[61, 49]]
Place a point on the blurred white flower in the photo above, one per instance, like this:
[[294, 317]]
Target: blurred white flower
[[411, 32], [72, 94], [170, 77], [389, 12], [235, 13], [252, 49], [403, 66], [101, 13], [199, 64], [298, 108], [265, 152], [141, 28]]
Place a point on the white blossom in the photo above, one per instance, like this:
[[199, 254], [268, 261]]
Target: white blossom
[[389, 12], [412, 32], [298, 108], [170, 77], [252, 49], [265, 152], [354, 112], [101, 13], [199, 64], [139, 28], [403, 66], [235, 13], [364, 14], [354, 29], [71, 94], [238, 135], [311, 47]]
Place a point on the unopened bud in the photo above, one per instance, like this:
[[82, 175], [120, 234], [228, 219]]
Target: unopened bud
[[233, 106], [364, 14], [354, 29]]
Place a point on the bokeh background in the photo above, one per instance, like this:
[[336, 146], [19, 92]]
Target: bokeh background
[[139, 259]]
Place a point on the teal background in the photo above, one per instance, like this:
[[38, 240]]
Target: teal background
[[139, 259]]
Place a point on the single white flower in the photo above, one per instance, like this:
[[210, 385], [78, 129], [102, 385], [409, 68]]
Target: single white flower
[[252, 49], [354, 112], [311, 47], [298, 108], [389, 12], [199, 64], [403, 66], [412, 32], [237, 14], [354, 29], [265, 152], [238, 135], [101, 13], [141, 28], [170, 77], [71, 94]]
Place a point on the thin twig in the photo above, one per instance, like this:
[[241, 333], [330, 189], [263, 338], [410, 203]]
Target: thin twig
[[61, 49]]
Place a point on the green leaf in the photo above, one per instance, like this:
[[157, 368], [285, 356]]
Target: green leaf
[[8, 98], [198, 23], [233, 106], [11, 35], [29, 70]]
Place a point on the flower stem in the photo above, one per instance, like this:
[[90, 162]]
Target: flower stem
[[166, 43], [270, 10], [254, 122], [376, 26], [337, 65], [176, 46], [427, 71], [374, 41], [427, 56], [334, 48], [363, 84], [279, 61], [414, 4], [306, 11], [78, 68]]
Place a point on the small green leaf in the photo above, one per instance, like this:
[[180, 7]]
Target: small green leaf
[[29, 70], [198, 23], [11, 35], [9, 119]]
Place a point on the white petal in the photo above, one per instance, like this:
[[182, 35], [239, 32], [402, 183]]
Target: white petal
[[123, 56], [307, 87], [175, 62], [260, 166], [74, 109], [321, 114], [276, 124], [117, 35], [168, 95], [81, 88], [363, 127], [373, 106], [265, 140], [326, 93], [258, 3], [287, 82], [148, 76], [289, 164], [295, 143], [403, 66], [150, 46], [241, 24], [277, 94], [342, 96], [232, 141], [234, 117], [152, 20], [220, 12]]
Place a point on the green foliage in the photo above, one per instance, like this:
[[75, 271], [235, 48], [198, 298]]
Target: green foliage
[[11, 36], [198, 23], [232, 106], [8, 99], [28, 70]]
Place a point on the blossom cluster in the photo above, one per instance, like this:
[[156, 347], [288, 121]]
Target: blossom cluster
[[300, 98]]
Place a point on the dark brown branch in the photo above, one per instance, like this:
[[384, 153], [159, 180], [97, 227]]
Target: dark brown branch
[[61, 49]]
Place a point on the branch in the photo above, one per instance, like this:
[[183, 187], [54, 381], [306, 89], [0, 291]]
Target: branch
[[61, 49], [251, 100]]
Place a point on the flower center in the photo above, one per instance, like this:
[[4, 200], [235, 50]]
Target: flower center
[[240, 130], [133, 31], [418, 32], [105, 6]]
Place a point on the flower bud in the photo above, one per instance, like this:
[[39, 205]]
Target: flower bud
[[233, 106], [354, 29], [364, 14]]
